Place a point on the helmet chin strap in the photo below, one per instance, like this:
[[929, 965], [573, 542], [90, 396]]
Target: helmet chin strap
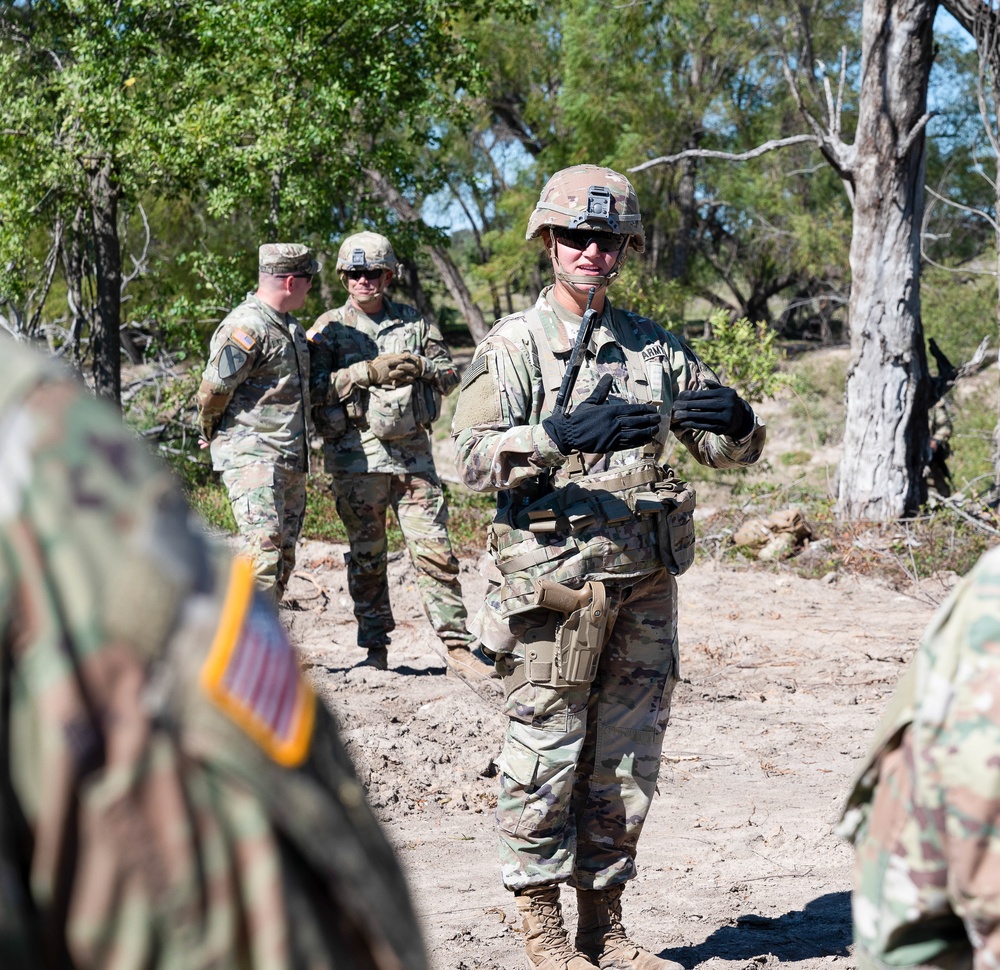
[[582, 279]]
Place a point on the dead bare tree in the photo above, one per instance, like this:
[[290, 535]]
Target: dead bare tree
[[886, 432]]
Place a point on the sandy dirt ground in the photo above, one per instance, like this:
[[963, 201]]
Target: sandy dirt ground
[[783, 680]]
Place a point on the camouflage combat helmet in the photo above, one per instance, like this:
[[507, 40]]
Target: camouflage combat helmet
[[589, 197], [366, 250]]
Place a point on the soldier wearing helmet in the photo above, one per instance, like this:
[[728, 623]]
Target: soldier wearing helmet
[[592, 527], [379, 370], [253, 408]]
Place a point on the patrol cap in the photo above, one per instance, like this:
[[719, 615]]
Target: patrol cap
[[589, 197], [366, 250], [280, 259]]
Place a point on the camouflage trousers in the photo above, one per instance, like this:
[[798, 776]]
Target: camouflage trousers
[[363, 500], [926, 875], [269, 505], [579, 764]]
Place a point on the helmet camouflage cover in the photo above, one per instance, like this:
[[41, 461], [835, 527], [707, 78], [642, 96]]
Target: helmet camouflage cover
[[366, 250], [589, 197]]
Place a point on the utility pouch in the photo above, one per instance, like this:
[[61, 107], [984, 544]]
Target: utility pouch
[[399, 412], [330, 421], [675, 527], [565, 650]]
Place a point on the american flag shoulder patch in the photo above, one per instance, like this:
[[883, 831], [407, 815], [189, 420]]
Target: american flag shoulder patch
[[252, 673], [242, 338]]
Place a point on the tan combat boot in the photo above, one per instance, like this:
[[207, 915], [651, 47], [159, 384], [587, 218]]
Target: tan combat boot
[[602, 937], [545, 938], [463, 663]]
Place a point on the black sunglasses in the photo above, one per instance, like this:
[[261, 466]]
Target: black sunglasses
[[580, 239], [368, 274]]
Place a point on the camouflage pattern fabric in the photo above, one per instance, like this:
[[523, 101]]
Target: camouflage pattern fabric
[[924, 812], [269, 505], [418, 501], [253, 407], [254, 396], [936, 469], [347, 335], [509, 448], [579, 764], [172, 793], [555, 793]]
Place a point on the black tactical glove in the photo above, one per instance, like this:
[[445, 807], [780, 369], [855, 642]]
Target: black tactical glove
[[716, 408], [600, 425]]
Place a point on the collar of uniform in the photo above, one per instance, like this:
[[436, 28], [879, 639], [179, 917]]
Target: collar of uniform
[[283, 320], [555, 320], [390, 313]]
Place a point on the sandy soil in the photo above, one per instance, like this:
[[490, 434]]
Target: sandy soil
[[783, 680]]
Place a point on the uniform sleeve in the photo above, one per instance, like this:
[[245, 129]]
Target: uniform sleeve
[[499, 443], [685, 370], [236, 346], [175, 818], [438, 365], [322, 360]]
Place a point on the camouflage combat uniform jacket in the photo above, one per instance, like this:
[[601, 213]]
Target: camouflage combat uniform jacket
[[510, 388], [923, 813], [172, 792], [346, 335], [254, 397]]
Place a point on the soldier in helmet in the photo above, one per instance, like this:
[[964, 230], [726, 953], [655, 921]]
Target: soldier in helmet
[[379, 370], [253, 407], [592, 527], [172, 792]]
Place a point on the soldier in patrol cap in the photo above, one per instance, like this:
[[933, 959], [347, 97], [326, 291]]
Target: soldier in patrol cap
[[253, 408], [172, 792], [924, 811], [592, 526], [379, 370]]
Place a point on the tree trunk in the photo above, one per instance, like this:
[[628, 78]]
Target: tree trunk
[[443, 263], [73, 270], [105, 340], [410, 278], [886, 434]]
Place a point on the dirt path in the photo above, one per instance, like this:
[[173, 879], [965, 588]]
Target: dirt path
[[783, 680]]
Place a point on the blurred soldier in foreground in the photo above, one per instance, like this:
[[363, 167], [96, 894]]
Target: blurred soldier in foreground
[[379, 370], [172, 794], [591, 528], [925, 812], [253, 406]]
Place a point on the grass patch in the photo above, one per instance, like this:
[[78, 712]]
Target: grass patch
[[818, 399], [794, 458]]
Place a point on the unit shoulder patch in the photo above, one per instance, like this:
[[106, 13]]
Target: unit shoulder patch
[[252, 674], [229, 361]]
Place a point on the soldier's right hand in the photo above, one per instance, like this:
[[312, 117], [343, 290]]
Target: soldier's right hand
[[600, 425]]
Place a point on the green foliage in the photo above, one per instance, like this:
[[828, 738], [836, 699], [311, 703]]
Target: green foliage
[[744, 355], [818, 398], [959, 308], [971, 459]]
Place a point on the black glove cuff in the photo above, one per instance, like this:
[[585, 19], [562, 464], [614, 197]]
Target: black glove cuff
[[746, 421], [553, 428]]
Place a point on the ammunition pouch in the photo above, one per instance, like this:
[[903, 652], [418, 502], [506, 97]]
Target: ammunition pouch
[[615, 525], [565, 650], [400, 412]]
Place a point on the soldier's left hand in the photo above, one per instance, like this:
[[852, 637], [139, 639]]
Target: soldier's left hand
[[714, 408]]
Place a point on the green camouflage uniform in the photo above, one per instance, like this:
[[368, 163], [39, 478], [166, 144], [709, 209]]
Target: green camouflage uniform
[[936, 469], [579, 764], [172, 793], [925, 813], [370, 473], [253, 403]]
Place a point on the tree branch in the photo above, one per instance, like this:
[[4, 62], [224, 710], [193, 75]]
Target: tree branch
[[768, 146]]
